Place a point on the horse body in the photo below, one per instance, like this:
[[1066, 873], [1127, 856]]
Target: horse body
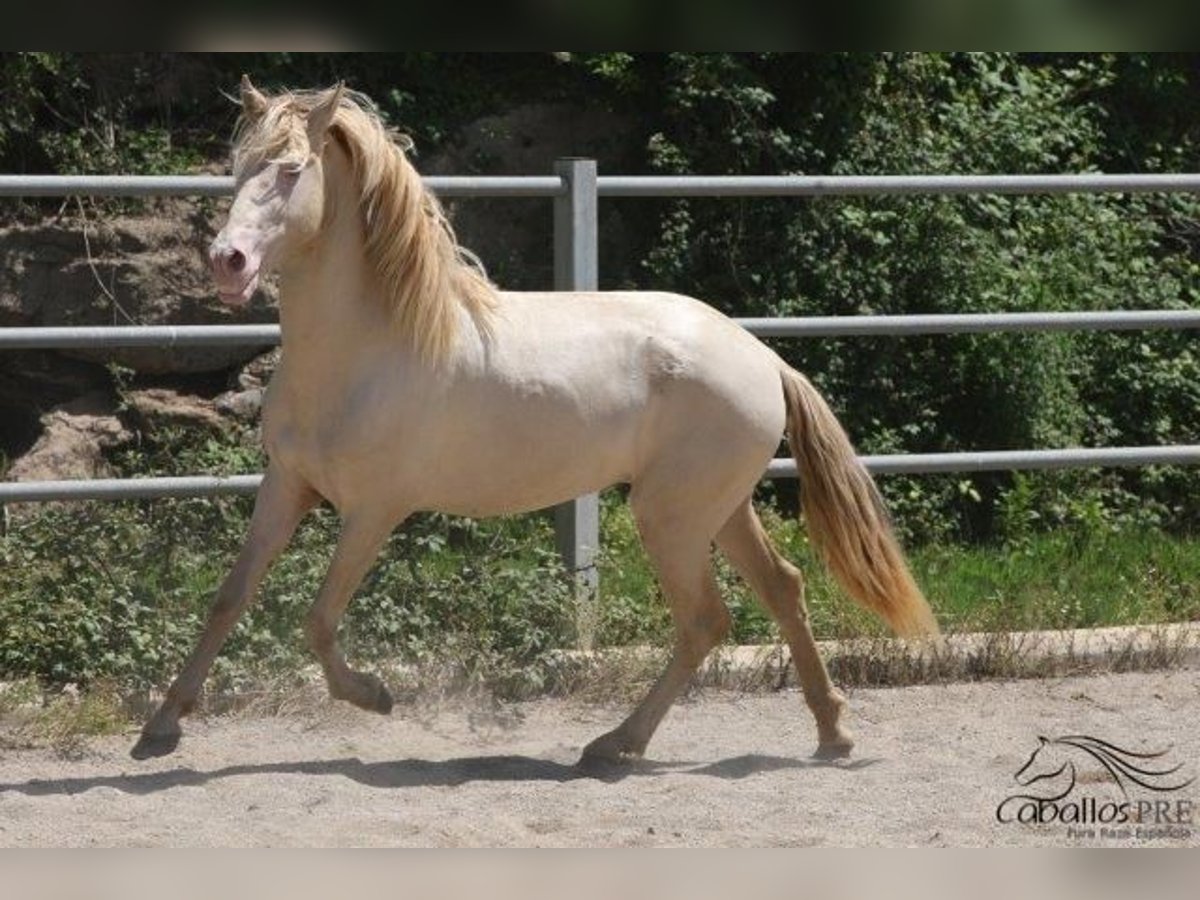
[[570, 393], [407, 382]]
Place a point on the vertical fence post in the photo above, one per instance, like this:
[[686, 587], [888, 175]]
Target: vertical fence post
[[577, 522]]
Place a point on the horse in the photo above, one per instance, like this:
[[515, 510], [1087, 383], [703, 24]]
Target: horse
[[409, 382]]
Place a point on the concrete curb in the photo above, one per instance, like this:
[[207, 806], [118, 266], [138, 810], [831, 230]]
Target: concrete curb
[[961, 657], [969, 656]]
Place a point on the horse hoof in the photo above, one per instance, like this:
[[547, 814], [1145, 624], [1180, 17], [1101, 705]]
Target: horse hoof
[[153, 745], [383, 701], [838, 749], [366, 692], [609, 749]]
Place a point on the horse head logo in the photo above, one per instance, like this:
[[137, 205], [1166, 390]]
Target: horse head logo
[[1052, 766]]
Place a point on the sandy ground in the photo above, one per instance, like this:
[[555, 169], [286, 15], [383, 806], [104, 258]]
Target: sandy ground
[[726, 769]]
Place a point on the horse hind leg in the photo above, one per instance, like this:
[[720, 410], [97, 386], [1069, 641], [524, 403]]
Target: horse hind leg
[[780, 587], [681, 553]]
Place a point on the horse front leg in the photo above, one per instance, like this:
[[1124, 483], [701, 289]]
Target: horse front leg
[[359, 543], [282, 502]]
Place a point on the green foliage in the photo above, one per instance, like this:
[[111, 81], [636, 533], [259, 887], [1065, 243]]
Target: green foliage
[[632, 608], [936, 113], [152, 113], [1096, 568], [1080, 577], [88, 114], [121, 591]]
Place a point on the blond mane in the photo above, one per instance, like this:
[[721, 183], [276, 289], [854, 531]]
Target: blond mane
[[426, 275]]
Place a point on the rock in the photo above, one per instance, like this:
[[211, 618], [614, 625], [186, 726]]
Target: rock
[[244, 405], [156, 407], [244, 401], [256, 373], [73, 440], [44, 378], [33, 382], [527, 139]]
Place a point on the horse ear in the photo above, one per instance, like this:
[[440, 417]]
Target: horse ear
[[322, 115], [254, 104]]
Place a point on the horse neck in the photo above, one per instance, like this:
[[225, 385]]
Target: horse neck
[[329, 300], [326, 297]]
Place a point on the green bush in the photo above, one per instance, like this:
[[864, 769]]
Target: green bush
[[121, 591]]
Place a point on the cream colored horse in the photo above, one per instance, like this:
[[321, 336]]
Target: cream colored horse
[[409, 383]]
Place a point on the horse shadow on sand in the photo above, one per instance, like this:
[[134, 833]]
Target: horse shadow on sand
[[416, 773]]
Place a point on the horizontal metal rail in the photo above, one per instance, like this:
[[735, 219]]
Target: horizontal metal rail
[[127, 488], [76, 337], [861, 185], [640, 185], [167, 336], [1011, 460], [115, 185], [973, 323], [891, 464], [222, 185], [496, 186]]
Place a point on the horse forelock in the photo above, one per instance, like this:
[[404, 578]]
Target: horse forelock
[[277, 135], [424, 273]]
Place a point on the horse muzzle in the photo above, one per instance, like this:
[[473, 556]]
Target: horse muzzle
[[235, 271]]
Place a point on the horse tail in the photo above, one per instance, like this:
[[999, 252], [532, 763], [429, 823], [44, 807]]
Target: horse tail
[[846, 518]]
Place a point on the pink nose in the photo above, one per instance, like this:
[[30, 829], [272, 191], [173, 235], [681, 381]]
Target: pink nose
[[227, 261]]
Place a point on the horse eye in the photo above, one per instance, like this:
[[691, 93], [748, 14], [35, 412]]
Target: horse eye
[[290, 173]]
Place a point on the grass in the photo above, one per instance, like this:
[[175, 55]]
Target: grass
[[1066, 580], [63, 720], [1056, 580]]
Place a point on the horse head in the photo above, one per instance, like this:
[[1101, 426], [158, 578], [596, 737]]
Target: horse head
[[323, 164], [279, 199]]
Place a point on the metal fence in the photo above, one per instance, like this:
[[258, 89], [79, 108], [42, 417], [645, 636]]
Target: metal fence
[[575, 189]]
